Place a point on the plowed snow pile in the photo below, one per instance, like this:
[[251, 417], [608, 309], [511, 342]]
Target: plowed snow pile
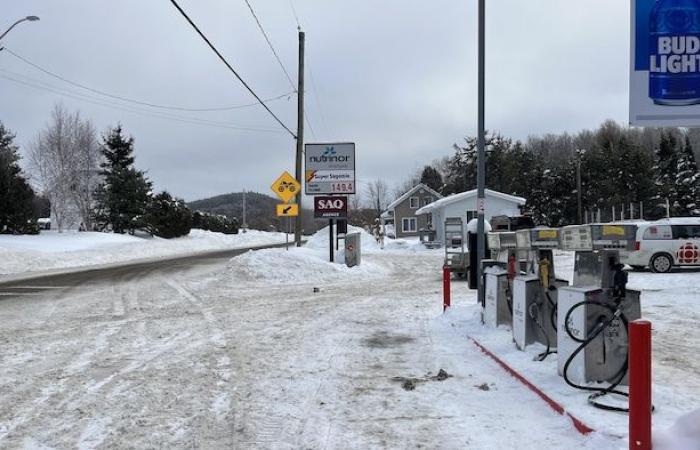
[[53, 250], [310, 264]]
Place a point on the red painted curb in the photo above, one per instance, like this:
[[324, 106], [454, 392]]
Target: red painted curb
[[578, 424]]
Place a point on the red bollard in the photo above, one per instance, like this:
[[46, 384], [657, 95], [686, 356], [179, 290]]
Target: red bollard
[[446, 275], [640, 384]]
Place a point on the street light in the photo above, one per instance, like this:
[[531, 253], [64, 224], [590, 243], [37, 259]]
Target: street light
[[26, 19]]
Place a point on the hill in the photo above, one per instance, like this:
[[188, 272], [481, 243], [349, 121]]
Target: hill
[[260, 210]]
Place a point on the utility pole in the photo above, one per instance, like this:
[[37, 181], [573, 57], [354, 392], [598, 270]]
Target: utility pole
[[300, 137], [578, 185], [245, 224], [481, 154]]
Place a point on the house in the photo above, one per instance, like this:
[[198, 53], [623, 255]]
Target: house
[[463, 205], [401, 213]]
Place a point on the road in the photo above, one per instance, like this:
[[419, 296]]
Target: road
[[183, 355], [41, 284]]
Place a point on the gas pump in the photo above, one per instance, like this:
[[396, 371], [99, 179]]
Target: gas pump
[[498, 306], [535, 293], [595, 310]]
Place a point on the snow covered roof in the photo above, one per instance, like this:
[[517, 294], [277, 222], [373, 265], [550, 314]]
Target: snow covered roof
[[465, 195], [680, 221], [410, 192]]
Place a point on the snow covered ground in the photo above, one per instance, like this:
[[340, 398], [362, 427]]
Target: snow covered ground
[[240, 356], [53, 250], [669, 301]]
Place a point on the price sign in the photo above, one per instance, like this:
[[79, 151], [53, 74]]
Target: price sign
[[330, 168]]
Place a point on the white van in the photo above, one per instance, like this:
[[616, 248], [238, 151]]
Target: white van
[[665, 244]]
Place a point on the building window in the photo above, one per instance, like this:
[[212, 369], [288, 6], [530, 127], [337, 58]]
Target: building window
[[409, 225], [427, 201], [471, 215], [414, 202]]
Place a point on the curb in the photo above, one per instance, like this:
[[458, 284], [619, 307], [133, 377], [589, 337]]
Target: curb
[[580, 426]]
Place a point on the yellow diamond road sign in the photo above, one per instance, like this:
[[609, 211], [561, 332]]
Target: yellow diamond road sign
[[286, 187], [287, 210]]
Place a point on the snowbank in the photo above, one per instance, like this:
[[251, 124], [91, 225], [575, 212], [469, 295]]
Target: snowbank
[[310, 263], [53, 250], [301, 265], [320, 240], [369, 244], [683, 435]]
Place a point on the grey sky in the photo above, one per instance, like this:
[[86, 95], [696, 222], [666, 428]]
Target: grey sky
[[397, 77]]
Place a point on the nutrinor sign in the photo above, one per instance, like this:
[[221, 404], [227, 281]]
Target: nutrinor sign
[[665, 57], [330, 168]]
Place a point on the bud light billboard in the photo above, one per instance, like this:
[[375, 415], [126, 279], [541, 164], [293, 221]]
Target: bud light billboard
[[665, 75]]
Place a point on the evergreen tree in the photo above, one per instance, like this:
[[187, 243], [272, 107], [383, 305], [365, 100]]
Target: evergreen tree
[[687, 183], [432, 178], [167, 217], [665, 173], [123, 196], [217, 223], [16, 196]]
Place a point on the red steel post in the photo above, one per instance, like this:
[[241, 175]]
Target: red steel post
[[640, 385], [446, 275]]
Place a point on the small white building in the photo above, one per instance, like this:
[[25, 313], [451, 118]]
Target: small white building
[[463, 205]]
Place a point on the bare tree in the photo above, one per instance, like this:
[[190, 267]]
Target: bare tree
[[87, 178], [378, 195], [65, 159], [355, 202]]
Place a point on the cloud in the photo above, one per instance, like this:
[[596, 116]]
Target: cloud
[[397, 77]]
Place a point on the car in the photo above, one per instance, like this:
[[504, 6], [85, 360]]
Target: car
[[665, 244]]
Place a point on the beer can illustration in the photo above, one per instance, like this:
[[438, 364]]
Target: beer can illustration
[[674, 52]]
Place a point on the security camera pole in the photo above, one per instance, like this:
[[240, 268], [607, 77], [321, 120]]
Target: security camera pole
[[300, 136], [481, 166]]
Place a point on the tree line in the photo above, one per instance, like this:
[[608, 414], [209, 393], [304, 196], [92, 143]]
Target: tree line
[[90, 182], [651, 171]]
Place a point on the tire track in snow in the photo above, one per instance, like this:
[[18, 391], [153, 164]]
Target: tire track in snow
[[222, 401], [218, 336], [77, 363]]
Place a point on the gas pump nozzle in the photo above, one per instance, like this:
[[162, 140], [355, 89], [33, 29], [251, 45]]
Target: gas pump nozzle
[[620, 278]]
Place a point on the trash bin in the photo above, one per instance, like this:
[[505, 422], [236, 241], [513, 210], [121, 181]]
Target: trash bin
[[353, 250]]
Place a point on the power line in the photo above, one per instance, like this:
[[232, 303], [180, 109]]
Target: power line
[[138, 102], [308, 122], [269, 43], [39, 85], [316, 97], [184, 14], [296, 17]]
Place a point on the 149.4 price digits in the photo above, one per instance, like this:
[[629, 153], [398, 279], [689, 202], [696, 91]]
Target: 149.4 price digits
[[342, 187]]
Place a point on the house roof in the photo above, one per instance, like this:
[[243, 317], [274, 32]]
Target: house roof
[[465, 195], [410, 192]]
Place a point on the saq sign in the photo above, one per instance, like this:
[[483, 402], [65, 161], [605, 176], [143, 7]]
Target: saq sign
[[665, 73], [330, 207]]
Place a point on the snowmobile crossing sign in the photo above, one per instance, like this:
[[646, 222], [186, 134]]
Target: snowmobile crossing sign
[[286, 187]]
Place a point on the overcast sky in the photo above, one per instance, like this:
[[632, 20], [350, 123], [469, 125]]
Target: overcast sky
[[398, 77]]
